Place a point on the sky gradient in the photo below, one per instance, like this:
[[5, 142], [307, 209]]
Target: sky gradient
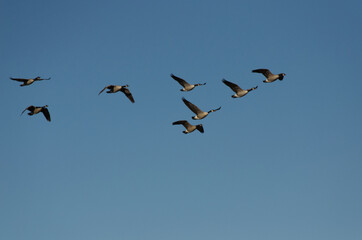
[[283, 162]]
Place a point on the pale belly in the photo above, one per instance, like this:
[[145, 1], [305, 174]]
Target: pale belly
[[189, 87], [37, 110], [30, 81], [242, 93], [201, 115]]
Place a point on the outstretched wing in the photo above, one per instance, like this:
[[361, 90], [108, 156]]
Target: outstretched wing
[[127, 93], [231, 85], [264, 71], [30, 108], [19, 79], [109, 86], [185, 123], [200, 128], [46, 113], [181, 81], [191, 106]]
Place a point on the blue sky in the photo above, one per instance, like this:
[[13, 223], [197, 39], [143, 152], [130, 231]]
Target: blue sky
[[284, 162]]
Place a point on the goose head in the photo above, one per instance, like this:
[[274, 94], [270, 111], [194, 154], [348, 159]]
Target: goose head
[[281, 76]]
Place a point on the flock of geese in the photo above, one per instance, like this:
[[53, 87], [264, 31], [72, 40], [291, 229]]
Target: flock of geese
[[239, 92]]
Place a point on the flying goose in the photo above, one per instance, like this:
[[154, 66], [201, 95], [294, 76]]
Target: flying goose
[[239, 92], [28, 81], [117, 88], [199, 114], [187, 86], [35, 110], [189, 128], [269, 76]]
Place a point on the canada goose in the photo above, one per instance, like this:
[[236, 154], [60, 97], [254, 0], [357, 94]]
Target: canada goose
[[117, 88], [187, 86], [28, 81], [199, 114], [239, 92], [35, 110], [269, 76], [189, 128]]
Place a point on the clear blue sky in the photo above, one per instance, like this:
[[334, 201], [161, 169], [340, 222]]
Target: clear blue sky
[[282, 163]]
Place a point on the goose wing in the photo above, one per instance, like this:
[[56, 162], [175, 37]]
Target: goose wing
[[192, 107], [200, 128], [185, 123], [30, 108], [181, 81], [233, 86], [264, 71], [45, 112], [19, 79], [108, 87], [127, 93]]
